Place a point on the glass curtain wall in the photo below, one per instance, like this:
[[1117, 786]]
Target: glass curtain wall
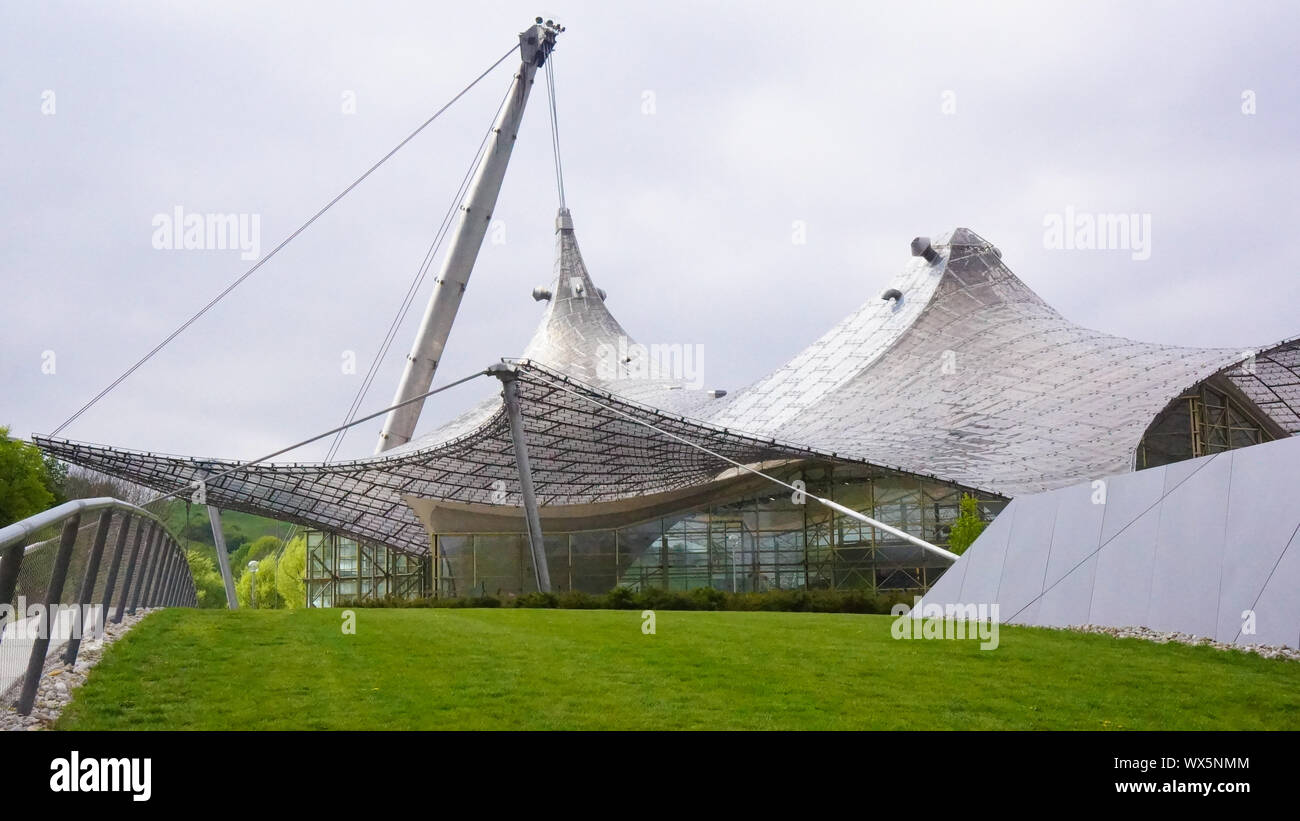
[[1199, 423], [766, 541], [342, 569]]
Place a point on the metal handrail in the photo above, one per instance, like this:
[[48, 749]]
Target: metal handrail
[[22, 530], [163, 578]]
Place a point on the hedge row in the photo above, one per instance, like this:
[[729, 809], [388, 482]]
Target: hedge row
[[704, 598]]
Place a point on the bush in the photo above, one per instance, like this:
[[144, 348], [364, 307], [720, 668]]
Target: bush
[[702, 598], [967, 527]]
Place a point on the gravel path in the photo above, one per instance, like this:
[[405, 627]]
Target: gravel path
[[59, 681], [1160, 637]]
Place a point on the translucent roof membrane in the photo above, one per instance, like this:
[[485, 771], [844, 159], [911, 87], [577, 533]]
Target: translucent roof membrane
[[968, 377]]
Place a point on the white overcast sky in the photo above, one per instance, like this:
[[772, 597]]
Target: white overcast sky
[[765, 113]]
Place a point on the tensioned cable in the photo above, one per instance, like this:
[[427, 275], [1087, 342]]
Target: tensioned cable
[[404, 308], [240, 279], [317, 437], [409, 299], [555, 126], [851, 513]]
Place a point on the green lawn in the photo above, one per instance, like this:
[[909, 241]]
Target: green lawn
[[574, 669]]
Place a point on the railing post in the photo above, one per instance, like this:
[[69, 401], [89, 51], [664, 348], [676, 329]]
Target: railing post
[[115, 564], [146, 570], [187, 580], [164, 572], [53, 593], [137, 557], [11, 560], [173, 577], [155, 570], [79, 620]]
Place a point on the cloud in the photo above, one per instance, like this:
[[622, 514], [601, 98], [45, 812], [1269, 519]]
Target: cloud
[[763, 116]]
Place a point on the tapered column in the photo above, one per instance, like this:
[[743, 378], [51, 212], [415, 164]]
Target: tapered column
[[223, 558], [510, 391], [466, 239]]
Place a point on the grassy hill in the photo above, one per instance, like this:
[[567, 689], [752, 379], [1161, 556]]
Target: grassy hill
[[238, 528], [573, 669]]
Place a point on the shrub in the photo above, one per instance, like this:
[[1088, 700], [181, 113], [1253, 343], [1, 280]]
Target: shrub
[[967, 527], [703, 598]]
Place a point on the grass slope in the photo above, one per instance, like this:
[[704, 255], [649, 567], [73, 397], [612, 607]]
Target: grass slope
[[235, 526], [569, 669]]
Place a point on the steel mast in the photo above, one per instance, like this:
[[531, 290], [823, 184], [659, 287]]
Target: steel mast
[[535, 45]]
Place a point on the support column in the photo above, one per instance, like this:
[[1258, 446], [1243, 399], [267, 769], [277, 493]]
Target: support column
[[88, 586], [53, 593], [223, 558], [464, 242], [510, 390]]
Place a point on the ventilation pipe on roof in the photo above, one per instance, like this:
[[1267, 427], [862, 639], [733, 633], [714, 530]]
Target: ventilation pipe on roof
[[921, 247], [542, 294], [892, 293]]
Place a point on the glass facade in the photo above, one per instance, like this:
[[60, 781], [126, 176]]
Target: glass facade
[[1203, 421], [758, 541], [340, 568]]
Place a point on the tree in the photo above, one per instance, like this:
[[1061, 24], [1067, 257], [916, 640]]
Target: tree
[[255, 550], [967, 527], [83, 483], [268, 597], [25, 480], [210, 590], [290, 572]]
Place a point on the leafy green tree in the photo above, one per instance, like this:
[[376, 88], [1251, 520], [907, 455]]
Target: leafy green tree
[[967, 527], [290, 571], [255, 550], [25, 482], [210, 589], [56, 479], [268, 596]]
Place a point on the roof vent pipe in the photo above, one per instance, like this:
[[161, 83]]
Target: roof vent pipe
[[921, 247], [542, 294], [892, 293]]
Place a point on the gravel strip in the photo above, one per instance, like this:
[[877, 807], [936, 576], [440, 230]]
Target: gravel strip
[[59, 681], [1161, 637]]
